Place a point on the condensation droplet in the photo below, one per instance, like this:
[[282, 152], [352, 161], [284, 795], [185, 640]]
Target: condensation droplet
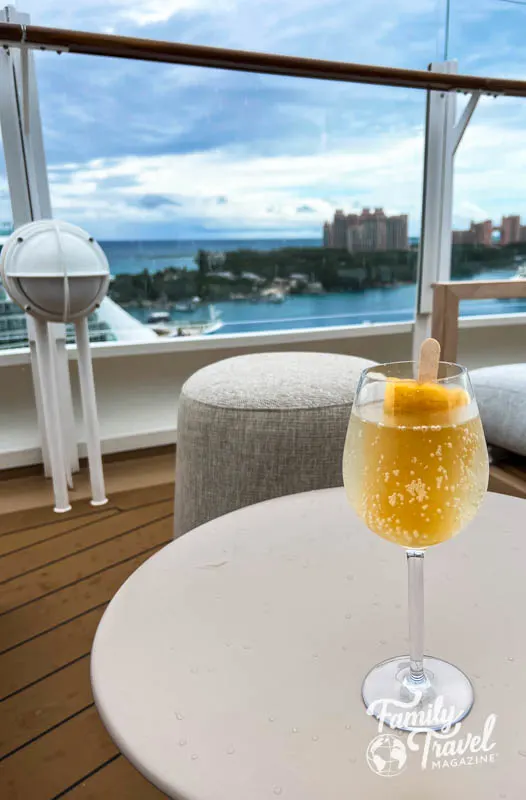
[[231, 750], [522, 753], [347, 727], [272, 719], [315, 655], [348, 616], [194, 756], [295, 730], [510, 658], [178, 715], [315, 738], [194, 670], [277, 790], [182, 742]]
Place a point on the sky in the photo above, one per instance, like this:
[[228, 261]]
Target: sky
[[152, 151]]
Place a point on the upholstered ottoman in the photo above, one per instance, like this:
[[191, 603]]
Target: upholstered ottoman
[[501, 398], [260, 426]]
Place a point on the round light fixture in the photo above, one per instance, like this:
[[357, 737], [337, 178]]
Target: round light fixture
[[54, 270]]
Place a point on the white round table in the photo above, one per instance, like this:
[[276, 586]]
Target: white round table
[[229, 666]]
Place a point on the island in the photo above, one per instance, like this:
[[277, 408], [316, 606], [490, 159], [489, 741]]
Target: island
[[253, 275]]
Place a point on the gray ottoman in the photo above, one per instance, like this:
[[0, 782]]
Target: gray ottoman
[[501, 398], [260, 426]]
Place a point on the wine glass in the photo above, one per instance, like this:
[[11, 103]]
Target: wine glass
[[415, 469]]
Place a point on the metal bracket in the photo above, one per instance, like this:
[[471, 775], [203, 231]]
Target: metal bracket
[[463, 122]]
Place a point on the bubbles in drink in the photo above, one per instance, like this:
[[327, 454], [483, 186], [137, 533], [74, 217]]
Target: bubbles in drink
[[415, 484]]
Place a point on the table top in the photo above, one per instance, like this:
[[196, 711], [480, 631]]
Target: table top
[[229, 666]]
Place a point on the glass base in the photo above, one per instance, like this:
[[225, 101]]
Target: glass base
[[443, 698]]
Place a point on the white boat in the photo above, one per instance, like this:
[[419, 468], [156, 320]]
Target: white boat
[[520, 275], [211, 325], [157, 317], [272, 296]]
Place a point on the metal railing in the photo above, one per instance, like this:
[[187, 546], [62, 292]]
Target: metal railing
[[113, 46]]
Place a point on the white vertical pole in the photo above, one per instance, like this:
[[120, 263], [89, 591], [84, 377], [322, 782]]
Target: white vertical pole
[[12, 140], [435, 240], [51, 415], [37, 179], [30, 200], [89, 408], [57, 330], [37, 388]]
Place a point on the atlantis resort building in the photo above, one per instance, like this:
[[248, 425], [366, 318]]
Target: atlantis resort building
[[511, 231], [366, 232]]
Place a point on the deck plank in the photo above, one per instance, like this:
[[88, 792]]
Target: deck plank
[[21, 540], [30, 518], [58, 760], [35, 618], [34, 660], [142, 497], [69, 543], [40, 707], [119, 773], [61, 574]]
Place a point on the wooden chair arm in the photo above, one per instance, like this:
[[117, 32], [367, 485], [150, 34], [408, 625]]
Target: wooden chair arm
[[446, 297]]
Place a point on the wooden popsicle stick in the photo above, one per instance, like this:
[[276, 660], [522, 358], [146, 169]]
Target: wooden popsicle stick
[[429, 360]]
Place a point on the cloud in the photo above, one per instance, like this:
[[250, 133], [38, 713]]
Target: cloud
[[116, 182], [264, 192], [156, 11], [153, 201]]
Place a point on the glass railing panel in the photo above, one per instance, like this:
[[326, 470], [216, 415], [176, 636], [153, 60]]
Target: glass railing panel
[[489, 211], [209, 192]]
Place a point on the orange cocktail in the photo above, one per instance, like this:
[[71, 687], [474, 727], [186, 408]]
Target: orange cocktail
[[415, 463]]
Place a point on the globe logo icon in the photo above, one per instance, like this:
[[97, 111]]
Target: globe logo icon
[[387, 755]]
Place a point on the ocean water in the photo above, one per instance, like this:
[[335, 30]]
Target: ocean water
[[392, 304], [389, 304]]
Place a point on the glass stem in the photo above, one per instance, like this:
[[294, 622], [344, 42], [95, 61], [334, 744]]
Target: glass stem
[[415, 564]]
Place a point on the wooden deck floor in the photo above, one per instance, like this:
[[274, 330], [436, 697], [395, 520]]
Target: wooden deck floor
[[57, 574]]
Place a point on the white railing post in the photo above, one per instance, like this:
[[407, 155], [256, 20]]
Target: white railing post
[[30, 200], [442, 137]]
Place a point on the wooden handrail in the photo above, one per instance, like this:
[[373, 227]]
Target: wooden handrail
[[113, 46], [446, 297]]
